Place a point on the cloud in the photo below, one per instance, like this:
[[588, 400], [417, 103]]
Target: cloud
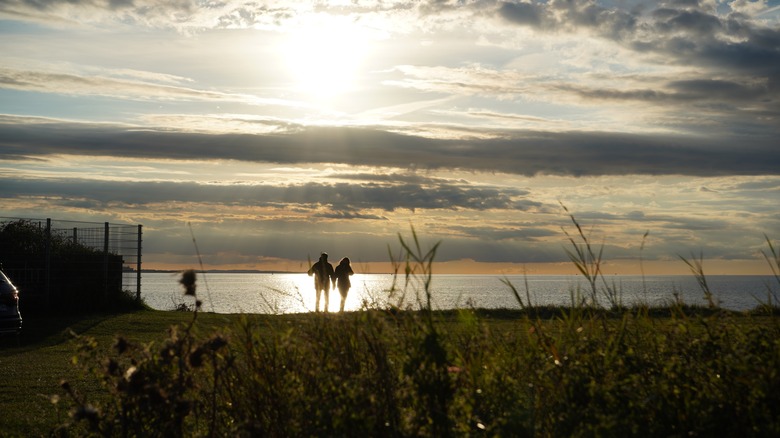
[[731, 99], [182, 15], [467, 80], [526, 14], [63, 12], [342, 200], [349, 215], [522, 152], [715, 89], [687, 21], [78, 84], [508, 232], [289, 221], [685, 33], [683, 91], [558, 14]]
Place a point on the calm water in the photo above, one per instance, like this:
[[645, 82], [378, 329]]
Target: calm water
[[294, 293]]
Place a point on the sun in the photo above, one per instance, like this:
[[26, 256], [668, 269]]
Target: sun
[[324, 57]]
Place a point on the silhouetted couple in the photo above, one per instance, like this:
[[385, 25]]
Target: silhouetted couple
[[324, 275]]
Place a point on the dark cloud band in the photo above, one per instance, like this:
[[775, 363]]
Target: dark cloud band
[[513, 152]]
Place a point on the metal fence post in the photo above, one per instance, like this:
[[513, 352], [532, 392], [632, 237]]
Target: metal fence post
[[105, 260], [47, 262], [138, 267]]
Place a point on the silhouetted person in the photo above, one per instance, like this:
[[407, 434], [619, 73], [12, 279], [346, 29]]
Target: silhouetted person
[[323, 275], [343, 271]]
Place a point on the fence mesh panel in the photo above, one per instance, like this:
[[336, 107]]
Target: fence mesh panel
[[105, 246]]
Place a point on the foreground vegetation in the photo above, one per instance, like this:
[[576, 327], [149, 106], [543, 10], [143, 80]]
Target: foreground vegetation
[[586, 370], [581, 373]]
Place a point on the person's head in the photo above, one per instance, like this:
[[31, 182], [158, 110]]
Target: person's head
[[324, 256], [344, 261]]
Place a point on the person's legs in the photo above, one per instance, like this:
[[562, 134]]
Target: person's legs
[[327, 291], [343, 292], [319, 291]]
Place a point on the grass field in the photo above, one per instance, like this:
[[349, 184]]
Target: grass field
[[32, 366]]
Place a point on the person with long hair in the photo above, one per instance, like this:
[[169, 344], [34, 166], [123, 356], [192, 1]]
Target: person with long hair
[[342, 273]]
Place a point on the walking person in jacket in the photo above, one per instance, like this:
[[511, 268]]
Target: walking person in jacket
[[323, 276]]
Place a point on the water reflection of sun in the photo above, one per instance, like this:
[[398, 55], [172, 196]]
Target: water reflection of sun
[[295, 293]]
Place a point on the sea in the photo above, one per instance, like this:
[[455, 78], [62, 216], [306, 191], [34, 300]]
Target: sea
[[282, 293]]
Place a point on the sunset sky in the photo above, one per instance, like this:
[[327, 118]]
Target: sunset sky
[[281, 129]]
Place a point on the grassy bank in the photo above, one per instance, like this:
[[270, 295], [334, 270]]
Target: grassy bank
[[552, 372]]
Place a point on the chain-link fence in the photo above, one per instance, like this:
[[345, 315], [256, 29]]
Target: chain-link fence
[[55, 262]]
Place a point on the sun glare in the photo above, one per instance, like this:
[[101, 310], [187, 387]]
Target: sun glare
[[324, 58]]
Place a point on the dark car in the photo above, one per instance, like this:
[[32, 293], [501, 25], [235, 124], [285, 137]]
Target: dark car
[[10, 318]]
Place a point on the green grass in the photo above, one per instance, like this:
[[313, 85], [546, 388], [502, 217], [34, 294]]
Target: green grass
[[33, 364]]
